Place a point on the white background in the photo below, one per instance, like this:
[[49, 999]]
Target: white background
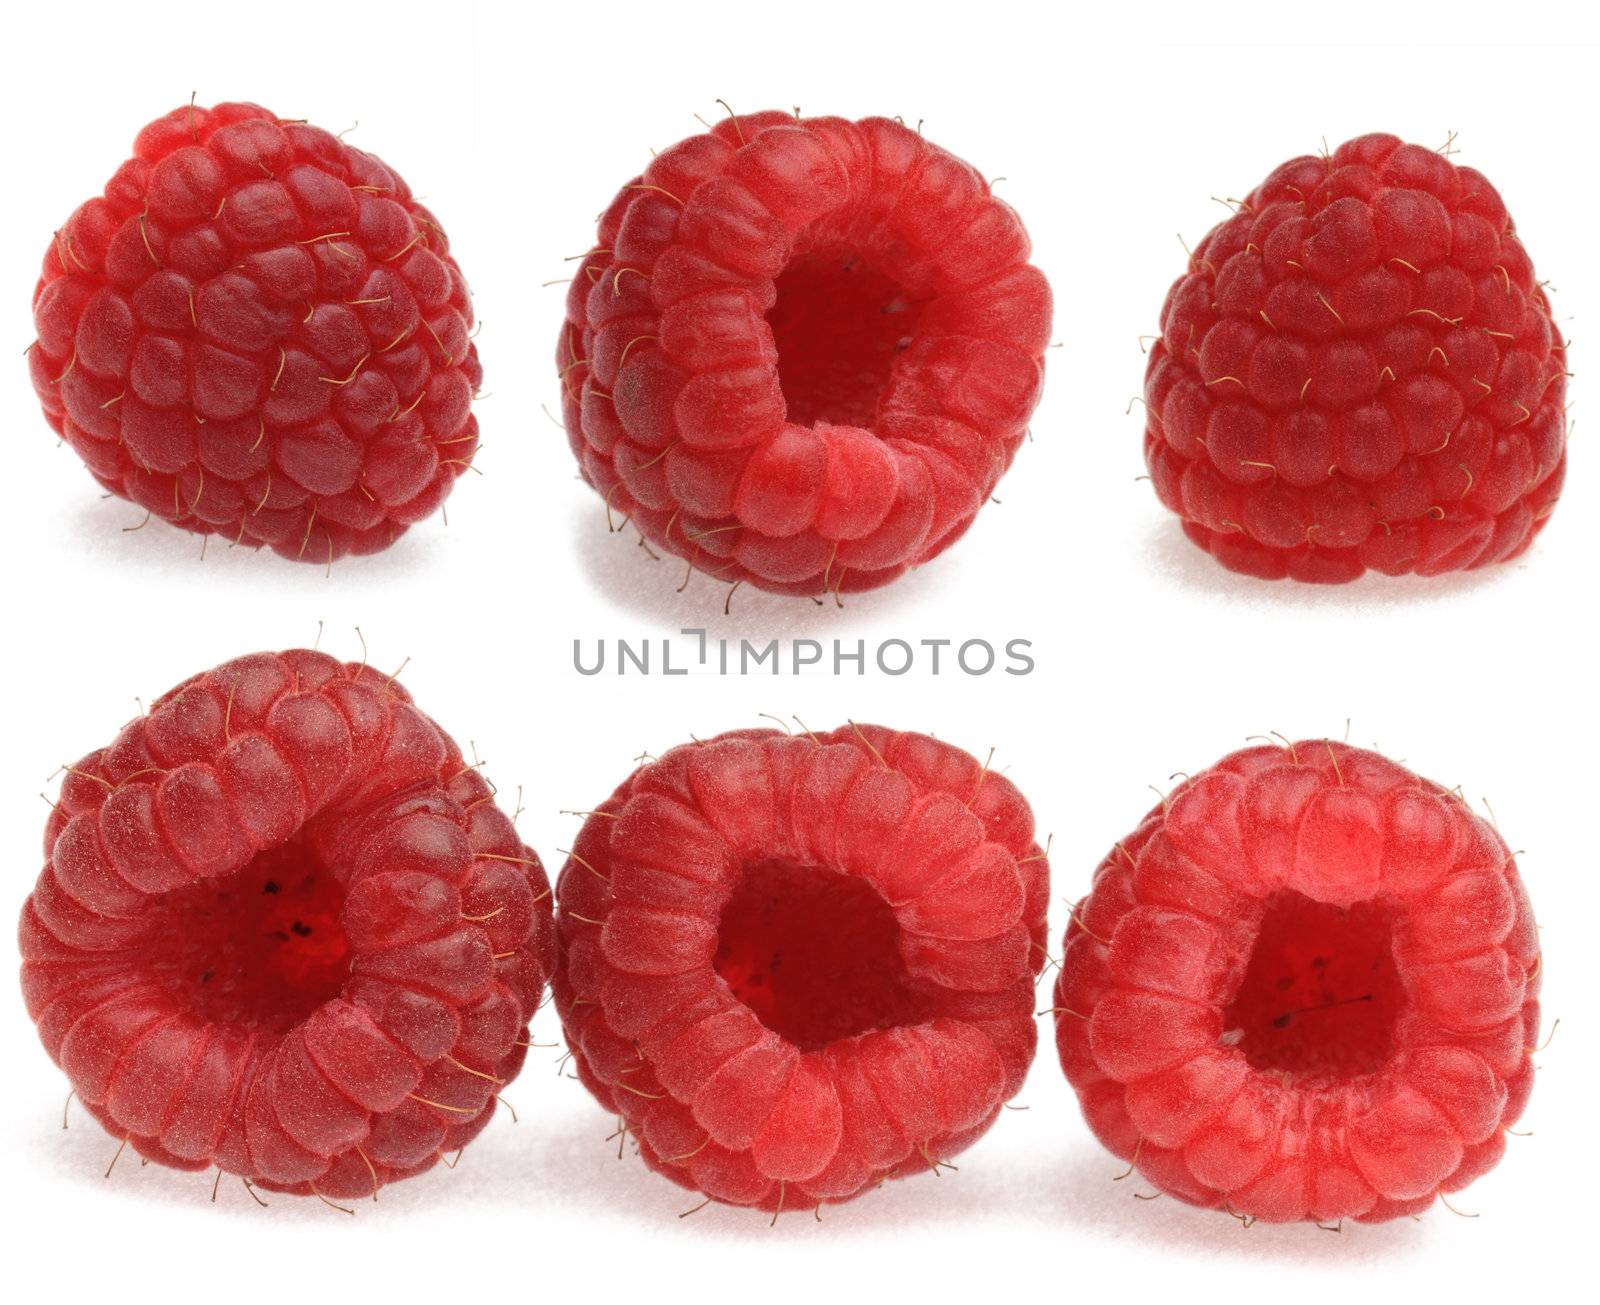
[[516, 126]]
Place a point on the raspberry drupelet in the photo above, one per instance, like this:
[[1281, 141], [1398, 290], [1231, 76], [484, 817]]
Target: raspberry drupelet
[[283, 930], [1359, 371], [257, 333], [803, 351], [1304, 988], [794, 967]]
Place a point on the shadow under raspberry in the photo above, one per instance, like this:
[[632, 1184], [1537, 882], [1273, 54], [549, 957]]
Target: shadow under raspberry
[[632, 579]]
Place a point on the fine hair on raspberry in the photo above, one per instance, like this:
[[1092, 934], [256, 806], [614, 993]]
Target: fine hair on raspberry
[[796, 966], [256, 332], [1304, 988], [283, 929], [803, 351], [1358, 371]]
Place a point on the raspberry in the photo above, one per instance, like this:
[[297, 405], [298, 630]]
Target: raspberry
[[258, 333], [803, 351], [1304, 988], [795, 967], [1358, 370], [283, 930]]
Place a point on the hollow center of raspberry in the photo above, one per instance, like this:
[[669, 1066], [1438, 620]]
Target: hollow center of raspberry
[[1320, 994], [260, 949], [815, 954], [838, 325]]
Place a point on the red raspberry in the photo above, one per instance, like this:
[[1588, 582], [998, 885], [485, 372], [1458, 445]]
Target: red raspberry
[[795, 967], [803, 351], [258, 333], [1359, 370], [283, 930], [1306, 987]]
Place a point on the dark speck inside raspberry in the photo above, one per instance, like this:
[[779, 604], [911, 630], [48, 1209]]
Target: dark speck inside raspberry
[[1320, 994], [815, 954], [259, 949], [838, 325]]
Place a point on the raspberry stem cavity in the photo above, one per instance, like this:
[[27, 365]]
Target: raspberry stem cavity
[[283, 930], [803, 351], [1304, 988], [795, 966]]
